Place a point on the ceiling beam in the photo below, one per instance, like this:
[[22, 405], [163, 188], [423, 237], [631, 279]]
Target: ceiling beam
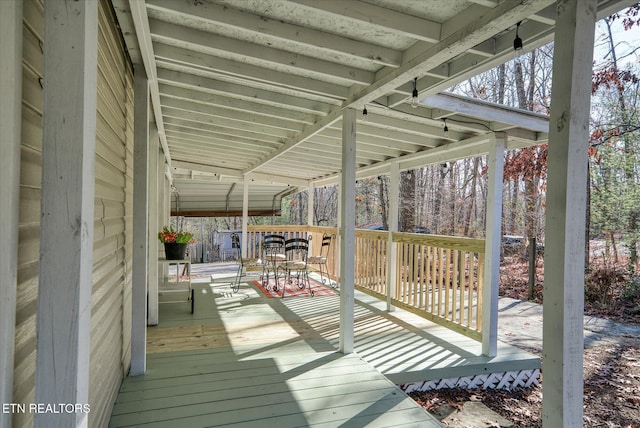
[[398, 22], [233, 116], [242, 51], [180, 126], [248, 83], [237, 104], [228, 123], [403, 125], [488, 111], [221, 213], [238, 91], [389, 138], [266, 32], [232, 135], [143, 33], [192, 166], [244, 71], [210, 149], [239, 176]]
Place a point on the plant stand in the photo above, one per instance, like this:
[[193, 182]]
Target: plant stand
[[178, 286]]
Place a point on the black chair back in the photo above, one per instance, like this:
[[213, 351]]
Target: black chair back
[[272, 245], [296, 249], [326, 243]]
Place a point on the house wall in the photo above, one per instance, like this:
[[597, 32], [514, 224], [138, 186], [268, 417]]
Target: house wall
[[111, 295], [29, 217]]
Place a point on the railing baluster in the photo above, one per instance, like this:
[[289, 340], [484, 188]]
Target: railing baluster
[[358, 249], [411, 272], [447, 282], [420, 276], [454, 286], [480, 287], [463, 287], [410, 281], [382, 261], [427, 278], [471, 295], [434, 280]]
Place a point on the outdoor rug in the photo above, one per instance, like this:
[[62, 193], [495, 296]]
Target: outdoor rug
[[293, 290]]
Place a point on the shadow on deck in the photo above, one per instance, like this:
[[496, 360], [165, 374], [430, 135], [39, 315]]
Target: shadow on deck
[[245, 360]]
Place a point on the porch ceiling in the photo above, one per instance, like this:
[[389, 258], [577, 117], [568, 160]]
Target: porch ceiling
[[259, 86]]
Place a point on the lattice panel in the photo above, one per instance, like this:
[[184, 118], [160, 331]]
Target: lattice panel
[[503, 380]]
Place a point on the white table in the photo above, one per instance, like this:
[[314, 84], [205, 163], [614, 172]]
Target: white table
[[180, 285]]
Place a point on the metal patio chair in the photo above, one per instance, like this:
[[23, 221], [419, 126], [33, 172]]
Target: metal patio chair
[[322, 259], [244, 264], [294, 269], [272, 251]]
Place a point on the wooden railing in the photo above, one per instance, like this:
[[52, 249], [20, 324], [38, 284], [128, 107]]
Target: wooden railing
[[371, 263], [441, 277], [437, 277]]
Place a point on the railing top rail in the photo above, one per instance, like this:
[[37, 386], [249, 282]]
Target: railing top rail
[[372, 234], [329, 230], [452, 242], [276, 228]]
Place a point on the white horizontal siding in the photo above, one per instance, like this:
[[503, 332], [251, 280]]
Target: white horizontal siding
[[111, 305], [29, 220], [110, 225]]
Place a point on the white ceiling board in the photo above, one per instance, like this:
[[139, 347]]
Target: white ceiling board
[[259, 86]]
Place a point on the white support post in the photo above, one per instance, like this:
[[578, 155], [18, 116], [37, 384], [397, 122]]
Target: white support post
[[68, 192], [154, 247], [140, 222], [164, 210], [10, 135], [347, 230], [245, 215], [163, 194], [392, 250], [563, 311], [310, 203], [493, 234]]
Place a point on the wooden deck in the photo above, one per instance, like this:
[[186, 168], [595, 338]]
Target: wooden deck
[[246, 360]]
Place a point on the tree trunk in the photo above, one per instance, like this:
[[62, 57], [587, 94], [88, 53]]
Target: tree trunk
[[588, 220], [407, 200], [532, 81], [452, 198], [383, 203], [530, 212], [502, 77], [472, 196], [515, 191]]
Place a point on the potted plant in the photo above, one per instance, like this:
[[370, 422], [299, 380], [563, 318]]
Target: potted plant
[[175, 242]]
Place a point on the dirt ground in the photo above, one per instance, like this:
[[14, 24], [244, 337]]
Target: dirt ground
[[611, 393], [611, 372]]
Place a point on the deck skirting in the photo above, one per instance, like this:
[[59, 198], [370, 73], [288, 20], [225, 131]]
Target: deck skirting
[[504, 380]]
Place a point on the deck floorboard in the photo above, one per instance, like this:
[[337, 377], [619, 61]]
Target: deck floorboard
[[246, 360]]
